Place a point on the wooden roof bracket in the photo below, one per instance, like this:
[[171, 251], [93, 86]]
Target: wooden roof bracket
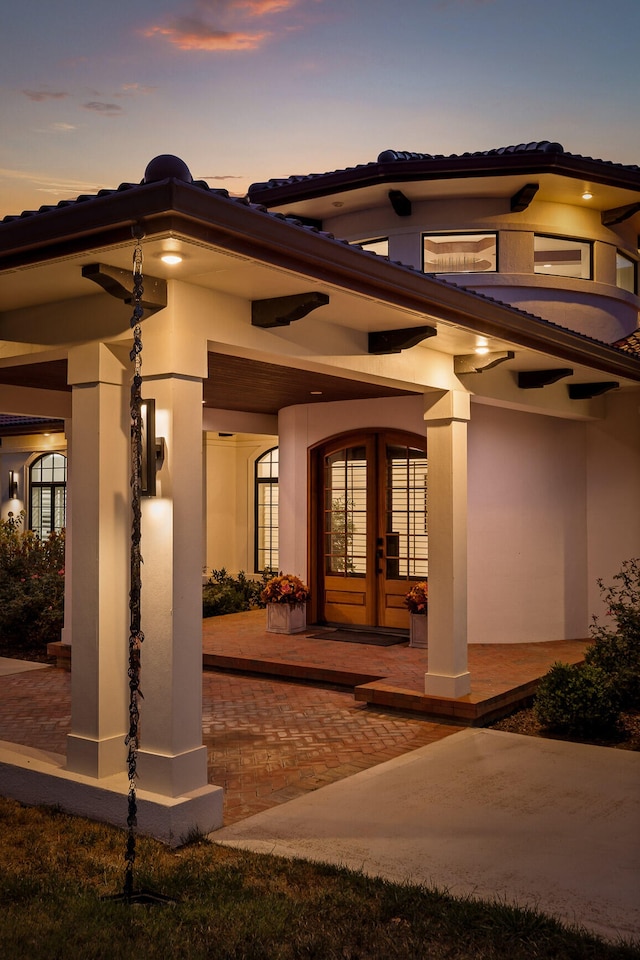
[[534, 379], [521, 200], [281, 311], [618, 214], [400, 203], [477, 362], [394, 341], [586, 391], [119, 284]]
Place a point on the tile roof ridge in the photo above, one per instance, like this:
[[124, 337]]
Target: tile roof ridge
[[391, 156], [109, 192]]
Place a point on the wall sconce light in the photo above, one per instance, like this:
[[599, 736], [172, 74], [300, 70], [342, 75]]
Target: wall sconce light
[[152, 449], [13, 485]]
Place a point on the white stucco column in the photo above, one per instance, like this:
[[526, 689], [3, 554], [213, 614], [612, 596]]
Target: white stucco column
[[99, 561], [172, 759], [446, 416]]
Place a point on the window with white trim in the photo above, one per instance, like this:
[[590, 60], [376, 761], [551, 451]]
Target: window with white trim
[[266, 511], [460, 252], [48, 486], [562, 257], [626, 273], [379, 246]]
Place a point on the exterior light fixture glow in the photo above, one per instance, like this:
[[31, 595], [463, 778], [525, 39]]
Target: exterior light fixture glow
[[482, 351], [13, 485], [587, 195], [171, 258]]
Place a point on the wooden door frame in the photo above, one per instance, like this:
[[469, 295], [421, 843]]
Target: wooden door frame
[[316, 454]]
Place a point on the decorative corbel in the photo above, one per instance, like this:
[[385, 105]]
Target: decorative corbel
[[119, 284], [394, 341], [281, 311]]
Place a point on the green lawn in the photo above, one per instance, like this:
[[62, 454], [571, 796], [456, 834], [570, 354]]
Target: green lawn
[[57, 870]]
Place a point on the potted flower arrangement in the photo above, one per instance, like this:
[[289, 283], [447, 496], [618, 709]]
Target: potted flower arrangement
[[417, 602], [286, 599]]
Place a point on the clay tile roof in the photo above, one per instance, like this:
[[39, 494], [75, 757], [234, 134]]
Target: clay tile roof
[[630, 344], [543, 151], [90, 197]]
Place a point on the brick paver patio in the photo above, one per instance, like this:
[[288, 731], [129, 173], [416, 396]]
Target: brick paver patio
[[269, 738]]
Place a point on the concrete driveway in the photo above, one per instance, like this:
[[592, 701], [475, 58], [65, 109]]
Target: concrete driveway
[[542, 823]]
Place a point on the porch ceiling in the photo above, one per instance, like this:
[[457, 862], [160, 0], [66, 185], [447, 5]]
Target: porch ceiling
[[234, 383]]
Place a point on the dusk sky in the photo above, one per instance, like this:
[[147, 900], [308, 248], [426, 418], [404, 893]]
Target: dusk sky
[[245, 90]]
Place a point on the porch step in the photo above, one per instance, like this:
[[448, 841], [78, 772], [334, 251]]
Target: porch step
[[377, 691], [62, 653], [465, 710], [288, 670]]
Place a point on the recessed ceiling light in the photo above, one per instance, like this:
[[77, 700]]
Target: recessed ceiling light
[[316, 393], [587, 195], [482, 351], [171, 258], [337, 203]]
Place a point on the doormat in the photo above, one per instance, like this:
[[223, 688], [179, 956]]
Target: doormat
[[357, 636]]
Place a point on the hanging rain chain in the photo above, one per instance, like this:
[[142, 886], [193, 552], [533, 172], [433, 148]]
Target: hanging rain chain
[[136, 635]]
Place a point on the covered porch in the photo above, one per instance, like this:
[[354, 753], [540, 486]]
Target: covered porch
[[285, 715]]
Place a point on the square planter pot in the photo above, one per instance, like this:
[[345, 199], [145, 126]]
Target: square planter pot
[[418, 630], [286, 617]]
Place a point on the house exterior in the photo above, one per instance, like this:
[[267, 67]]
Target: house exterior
[[435, 357]]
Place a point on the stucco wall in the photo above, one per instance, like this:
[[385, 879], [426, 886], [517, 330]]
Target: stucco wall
[[229, 493], [613, 452], [527, 527], [597, 307]]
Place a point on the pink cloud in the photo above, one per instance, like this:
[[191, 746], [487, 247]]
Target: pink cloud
[[259, 8], [201, 37], [221, 25]]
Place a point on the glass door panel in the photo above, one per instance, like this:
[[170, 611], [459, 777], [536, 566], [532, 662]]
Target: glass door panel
[[345, 515], [406, 535]]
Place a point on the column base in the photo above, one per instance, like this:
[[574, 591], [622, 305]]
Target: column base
[[36, 777], [96, 758], [172, 776], [439, 685]]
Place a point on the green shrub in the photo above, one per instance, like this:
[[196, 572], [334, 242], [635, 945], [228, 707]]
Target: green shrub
[[617, 652], [31, 585], [223, 593], [580, 700]]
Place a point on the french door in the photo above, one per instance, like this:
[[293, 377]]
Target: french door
[[369, 528]]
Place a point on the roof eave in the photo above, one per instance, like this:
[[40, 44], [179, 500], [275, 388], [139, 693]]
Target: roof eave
[[216, 220], [445, 168]]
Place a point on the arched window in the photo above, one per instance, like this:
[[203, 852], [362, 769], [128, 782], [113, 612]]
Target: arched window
[[266, 521], [48, 484]]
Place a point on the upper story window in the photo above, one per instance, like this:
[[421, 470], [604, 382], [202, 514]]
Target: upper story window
[[48, 483], [626, 273], [460, 252], [266, 501], [379, 246], [561, 257]]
